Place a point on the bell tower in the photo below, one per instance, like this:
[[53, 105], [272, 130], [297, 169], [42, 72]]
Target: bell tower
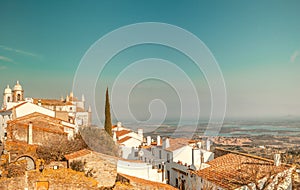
[[18, 93], [7, 96]]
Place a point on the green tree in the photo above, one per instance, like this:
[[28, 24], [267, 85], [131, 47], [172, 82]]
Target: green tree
[[107, 125]]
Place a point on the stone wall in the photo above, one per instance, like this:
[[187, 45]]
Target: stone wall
[[12, 183], [17, 149], [102, 167], [40, 135], [43, 137], [56, 179], [53, 164]]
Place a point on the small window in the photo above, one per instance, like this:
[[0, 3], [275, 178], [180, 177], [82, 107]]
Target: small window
[[18, 97], [136, 154], [168, 157], [159, 154], [8, 99]]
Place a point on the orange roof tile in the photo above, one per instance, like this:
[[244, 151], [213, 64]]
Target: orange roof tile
[[122, 132], [78, 109], [51, 102], [178, 143], [124, 139], [154, 185], [232, 170], [40, 122], [77, 154]]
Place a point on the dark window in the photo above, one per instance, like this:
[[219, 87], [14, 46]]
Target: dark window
[[177, 185], [159, 154], [168, 177], [168, 157], [183, 184], [136, 154], [8, 99], [18, 97]]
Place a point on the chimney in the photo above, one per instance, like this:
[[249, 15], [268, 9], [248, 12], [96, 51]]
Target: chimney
[[208, 145], [114, 136], [39, 102], [166, 143], [193, 167], [277, 160], [29, 137], [119, 125], [201, 158], [158, 140], [148, 140], [140, 133]]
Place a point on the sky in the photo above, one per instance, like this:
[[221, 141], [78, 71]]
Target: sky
[[255, 43]]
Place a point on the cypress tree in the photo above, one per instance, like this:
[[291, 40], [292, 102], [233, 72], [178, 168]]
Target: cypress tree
[[107, 125]]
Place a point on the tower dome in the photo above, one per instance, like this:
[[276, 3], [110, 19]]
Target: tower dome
[[18, 87], [7, 90]]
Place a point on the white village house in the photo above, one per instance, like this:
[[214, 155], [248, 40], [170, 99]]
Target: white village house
[[189, 164]]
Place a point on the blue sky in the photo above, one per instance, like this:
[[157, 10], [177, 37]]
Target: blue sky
[[256, 44]]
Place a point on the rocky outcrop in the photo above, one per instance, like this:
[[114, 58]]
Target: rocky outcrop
[[101, 167]]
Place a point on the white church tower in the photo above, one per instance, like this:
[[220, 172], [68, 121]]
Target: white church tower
[[7, 96], [18, 93]]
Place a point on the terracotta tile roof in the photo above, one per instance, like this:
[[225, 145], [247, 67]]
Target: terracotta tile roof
[[74, 99], [35, 115], [40, 122], [154, 185], [42, 127], [4, 110], [122, 132], [232, 170], [78, 109], [177, 143], [124, 139], [132, 161], [51, 102], [77, 154]]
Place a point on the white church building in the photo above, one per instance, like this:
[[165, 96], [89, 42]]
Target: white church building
[[71, 110]]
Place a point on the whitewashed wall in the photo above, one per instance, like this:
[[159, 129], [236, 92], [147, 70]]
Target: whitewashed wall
[[140, 170], [29, 108]]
